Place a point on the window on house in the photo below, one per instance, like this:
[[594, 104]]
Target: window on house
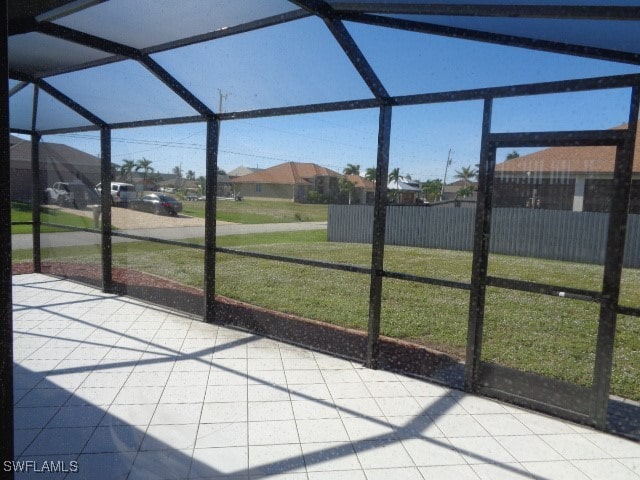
[[258, 187]]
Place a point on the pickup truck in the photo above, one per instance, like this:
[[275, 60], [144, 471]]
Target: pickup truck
[[70, 194]]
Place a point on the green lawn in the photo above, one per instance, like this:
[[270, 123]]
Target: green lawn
[[260, 211], [548, 335], [21, 212]]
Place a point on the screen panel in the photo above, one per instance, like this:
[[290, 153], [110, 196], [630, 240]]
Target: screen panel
[[296, 63]]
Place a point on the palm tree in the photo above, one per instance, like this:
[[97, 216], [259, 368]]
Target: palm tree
[[394, 175], [144, 165], [191, 175], [466, 174], [351, 169], [370, 174], [126, 169]]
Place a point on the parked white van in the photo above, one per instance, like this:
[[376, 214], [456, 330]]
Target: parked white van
[[121, 193]]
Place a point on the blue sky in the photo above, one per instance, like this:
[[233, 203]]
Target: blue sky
[[300, 62]]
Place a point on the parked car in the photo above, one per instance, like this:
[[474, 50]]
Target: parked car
[[70, 194], [157, 203], [121, 193]]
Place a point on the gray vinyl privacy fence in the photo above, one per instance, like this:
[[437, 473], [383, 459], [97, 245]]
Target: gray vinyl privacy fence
[[552, 234]]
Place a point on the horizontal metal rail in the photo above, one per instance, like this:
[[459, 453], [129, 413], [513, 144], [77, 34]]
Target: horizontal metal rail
[[563, 86], [299, 261], [499, 282], [545, 289], [427, 280]]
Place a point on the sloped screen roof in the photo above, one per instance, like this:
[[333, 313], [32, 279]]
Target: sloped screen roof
[[125, 61]]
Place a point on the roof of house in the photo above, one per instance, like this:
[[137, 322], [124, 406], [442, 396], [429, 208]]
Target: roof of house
[[290, 173], [20, 152], [361, 182], [242, 171], [568, 160], [404, 185]]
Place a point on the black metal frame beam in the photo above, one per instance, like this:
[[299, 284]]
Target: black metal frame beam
[[557, 87], [6, 301], [378, 236], [614, 256], [115, 48], [574, 12], [105, 209], [481, 239], [211, 193], [33, 26], [323, 10], [35, 184], [16, 88], [36, 196], [501, 381], [490, 37], [69, 102], [499, 282]]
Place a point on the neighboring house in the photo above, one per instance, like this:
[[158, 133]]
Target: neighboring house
[[450, 191], [241, 171], [292, 181], [364, 190], [404, 191], [58, 163], [563, 178]]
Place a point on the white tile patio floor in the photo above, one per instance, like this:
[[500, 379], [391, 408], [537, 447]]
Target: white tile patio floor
[[129, 390]]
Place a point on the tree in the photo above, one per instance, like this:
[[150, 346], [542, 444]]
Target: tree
[[466, 174], [465, 192], [370, 174], [394, 175], [347, 188], [512, 155], [432, 189], [351, 169], [144, 165], [191, 175], [177, 171], [126, 170], [202, 184]]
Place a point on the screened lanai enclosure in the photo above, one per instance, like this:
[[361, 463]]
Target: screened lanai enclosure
[[523, 284]]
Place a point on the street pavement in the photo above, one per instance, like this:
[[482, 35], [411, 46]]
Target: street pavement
[[71, 239]]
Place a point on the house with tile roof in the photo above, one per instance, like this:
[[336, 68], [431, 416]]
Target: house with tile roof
[[58, 163], [563, 178], [298, 182], [242, 170], [364, 190]]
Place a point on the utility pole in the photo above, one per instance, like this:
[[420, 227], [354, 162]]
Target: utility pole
[[221, 97], [446, 169]]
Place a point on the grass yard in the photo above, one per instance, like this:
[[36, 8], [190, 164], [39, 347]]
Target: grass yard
[[260, 211], [537, 333], [21, 212]]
